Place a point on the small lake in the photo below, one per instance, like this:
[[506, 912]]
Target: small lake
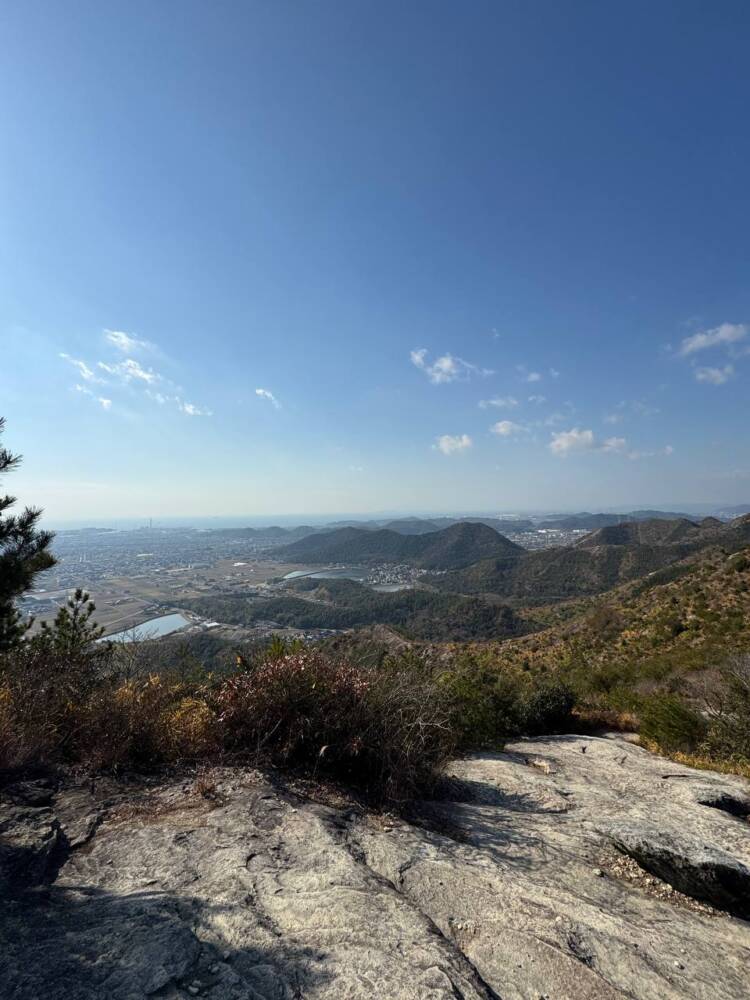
[[151, 629]]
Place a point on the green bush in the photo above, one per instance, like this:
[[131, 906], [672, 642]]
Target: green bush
[[672, 724], [728, 710], [546, 708], [490, 706]]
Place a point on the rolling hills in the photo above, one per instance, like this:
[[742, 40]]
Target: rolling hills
[[454, 547], [590, 522], [688, 616], [600, 561]]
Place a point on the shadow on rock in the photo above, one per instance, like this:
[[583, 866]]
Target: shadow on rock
[[86, 944]]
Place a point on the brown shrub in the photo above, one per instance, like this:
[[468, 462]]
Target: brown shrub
[[142, 723], [385, 731]]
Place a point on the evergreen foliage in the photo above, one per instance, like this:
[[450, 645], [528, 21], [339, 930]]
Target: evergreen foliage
[[24, 552]]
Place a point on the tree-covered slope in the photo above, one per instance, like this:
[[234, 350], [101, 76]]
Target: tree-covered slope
[[680, 617], [344, 604], [451, 548], [602, 560]]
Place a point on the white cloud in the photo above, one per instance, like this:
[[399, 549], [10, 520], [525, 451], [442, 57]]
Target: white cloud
[[131, 373], [538, 399], [718, 336], [614, 444], [506, 428], [554, 373], [446, 368], [503, 402], [666, 450], [533, 377], [267, 394], [565, 442], [576, 440], [191, 410], [714, 376], [106, 404], [83, 369], [126, 342], [451, 443], [130, 370]]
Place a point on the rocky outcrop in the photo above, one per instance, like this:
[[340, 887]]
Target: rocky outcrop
[[570, 868]]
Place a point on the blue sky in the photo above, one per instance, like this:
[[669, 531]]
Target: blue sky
[[476, 256]]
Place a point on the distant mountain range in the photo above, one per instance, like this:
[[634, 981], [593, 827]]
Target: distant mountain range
[[600, 561], [422, 525], [479, 560], [589, 522], [272, 533], [584, 521]]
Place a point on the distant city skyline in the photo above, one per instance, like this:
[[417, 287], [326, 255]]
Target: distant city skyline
[[283, 261]]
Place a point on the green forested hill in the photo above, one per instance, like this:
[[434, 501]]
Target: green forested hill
[[600, 561], [675, 620], [344, 604], [451, 548]]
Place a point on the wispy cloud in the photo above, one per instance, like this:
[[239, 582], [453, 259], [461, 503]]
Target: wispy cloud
[[130, 370], [126, 342], [267, 394], [502, 402], [538, 400], [565, 443], [666, 450], [131, 375], [106, 404], [613, 444], [450, 444], [714, 376], [719, 336], [530, 376], [624, 408], [446, 368], [83, 369], [191, 410], [506, 428]]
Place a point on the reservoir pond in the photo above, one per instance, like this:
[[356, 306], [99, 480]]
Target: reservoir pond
[[151, 629]]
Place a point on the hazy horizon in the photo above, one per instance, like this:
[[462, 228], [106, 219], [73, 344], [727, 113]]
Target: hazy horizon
[[294, 520], [314, 258]]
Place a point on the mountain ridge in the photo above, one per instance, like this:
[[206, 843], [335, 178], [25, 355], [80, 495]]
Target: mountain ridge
[[454, 547]]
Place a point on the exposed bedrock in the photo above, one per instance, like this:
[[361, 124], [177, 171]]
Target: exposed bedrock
[[570, 868]]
